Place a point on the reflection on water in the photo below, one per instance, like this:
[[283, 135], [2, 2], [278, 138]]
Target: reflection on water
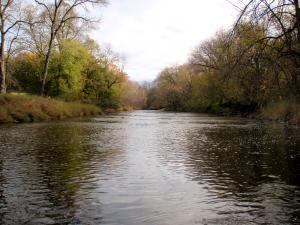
[[150, 167]]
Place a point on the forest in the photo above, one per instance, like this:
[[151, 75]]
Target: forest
[[252, 68]]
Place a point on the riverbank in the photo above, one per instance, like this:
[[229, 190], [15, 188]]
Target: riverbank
[[283, 111], [286, 111], [19, 108]]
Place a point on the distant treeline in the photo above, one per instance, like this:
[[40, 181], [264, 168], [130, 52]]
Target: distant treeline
[[45, 50], [254, 67]]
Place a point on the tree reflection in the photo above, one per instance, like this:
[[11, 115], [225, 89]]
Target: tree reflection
[[62, 162], [255, 165], [51, 172], [248, 156]]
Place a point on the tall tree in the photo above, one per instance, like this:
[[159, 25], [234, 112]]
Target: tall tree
[[10, 18], [58, 14], [281, 19]]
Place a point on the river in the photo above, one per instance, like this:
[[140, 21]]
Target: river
[[150, 167]]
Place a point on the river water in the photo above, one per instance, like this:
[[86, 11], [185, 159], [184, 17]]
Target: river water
[[150, 167]]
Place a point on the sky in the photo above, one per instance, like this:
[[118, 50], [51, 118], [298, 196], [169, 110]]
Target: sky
[[154, 34]]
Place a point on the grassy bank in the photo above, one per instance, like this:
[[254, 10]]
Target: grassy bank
[[15, 108], [285, 111]]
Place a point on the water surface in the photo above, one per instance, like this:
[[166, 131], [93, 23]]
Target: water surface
[[150, 167]]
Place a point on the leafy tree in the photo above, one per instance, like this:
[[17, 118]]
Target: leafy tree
[[27, 68], [66, 70], [56, 16]]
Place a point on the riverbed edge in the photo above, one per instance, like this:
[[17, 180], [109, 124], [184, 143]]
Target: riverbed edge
[[15, 108], [286, 112]]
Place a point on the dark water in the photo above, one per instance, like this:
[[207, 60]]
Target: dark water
[[151, 168]]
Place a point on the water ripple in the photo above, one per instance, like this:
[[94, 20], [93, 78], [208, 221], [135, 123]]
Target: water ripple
[[149, 167]]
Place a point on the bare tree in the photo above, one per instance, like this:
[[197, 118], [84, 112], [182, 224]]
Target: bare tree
[[281, 20], [10, 20], [58, 14]]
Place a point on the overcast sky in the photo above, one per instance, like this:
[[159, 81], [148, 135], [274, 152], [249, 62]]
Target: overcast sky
[[154, 34]]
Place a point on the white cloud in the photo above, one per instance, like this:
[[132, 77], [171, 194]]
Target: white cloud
[[154, 34]]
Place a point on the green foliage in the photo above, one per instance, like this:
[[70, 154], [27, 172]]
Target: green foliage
[[94, 81], [27, 68], [77, 72], [103, 85], [66, 70]]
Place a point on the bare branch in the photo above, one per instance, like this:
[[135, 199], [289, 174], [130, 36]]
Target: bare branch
[[46, 8]]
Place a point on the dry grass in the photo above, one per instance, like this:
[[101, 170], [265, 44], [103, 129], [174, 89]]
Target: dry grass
[[284, 110], [28, 108]]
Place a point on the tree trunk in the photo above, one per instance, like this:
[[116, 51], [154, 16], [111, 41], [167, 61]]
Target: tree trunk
[[2, 60], [297, 12], [296, 76], [45, 73], [46, 65]]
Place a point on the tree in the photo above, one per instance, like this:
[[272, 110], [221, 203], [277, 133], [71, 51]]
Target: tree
[[173, 87], [234, 69], [10, 19], [67, 70], [57, 15], [133, 95], [281, 19], [26, 69]]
